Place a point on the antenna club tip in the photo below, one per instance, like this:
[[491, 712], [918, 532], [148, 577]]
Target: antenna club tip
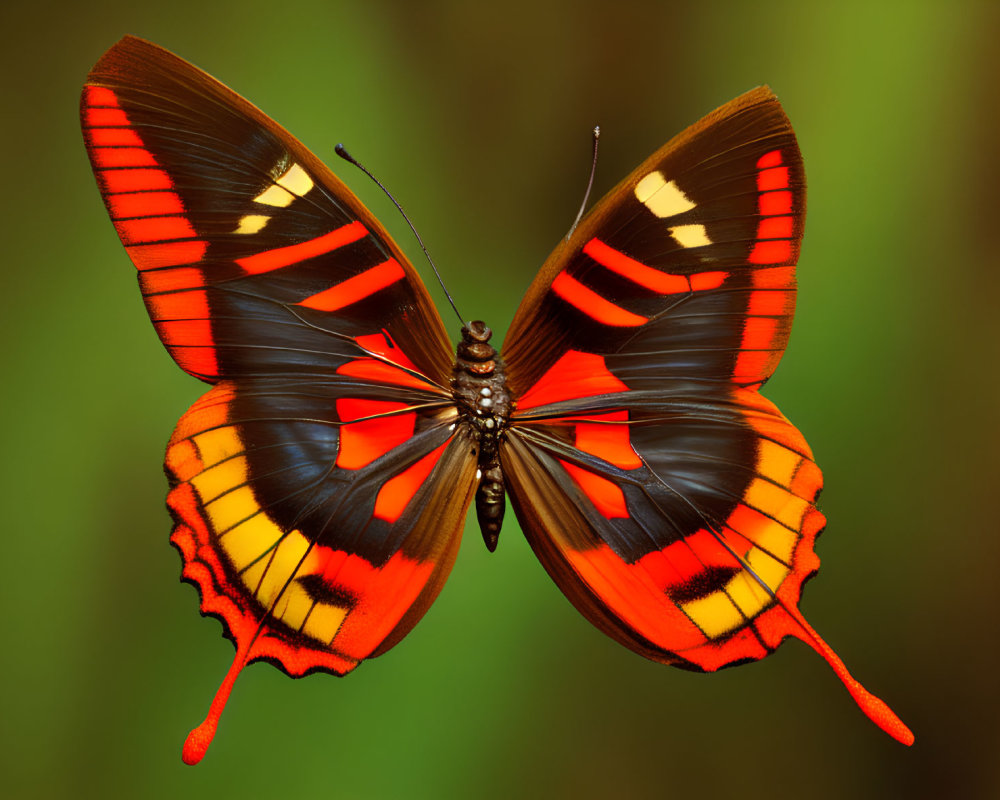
[[197, 742], [597, 131]]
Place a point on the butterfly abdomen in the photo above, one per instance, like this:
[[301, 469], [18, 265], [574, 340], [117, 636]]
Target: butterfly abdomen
[[480, 391]]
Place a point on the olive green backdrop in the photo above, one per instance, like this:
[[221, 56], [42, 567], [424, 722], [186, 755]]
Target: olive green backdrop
[[478, 117]]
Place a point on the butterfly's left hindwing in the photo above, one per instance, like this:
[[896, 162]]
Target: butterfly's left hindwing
[[329, 548]]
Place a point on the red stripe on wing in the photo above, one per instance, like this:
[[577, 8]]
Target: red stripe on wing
[[400, 372], [383, 345], [396, 493], [574, 375], [606, 496], [105, 118], [111, 157], [154, 229], [109, 137], [593, 305], [140, 196], [771, 252], [770, 303], [379, 372], [631, 595], [144, 204], [648, 277], [363, 441], [356, 288], [385, 594], [170, 280], [607, 437], [774, 233], [759, 350], [115, 181], [635, 271], [775, 228], [197, 356], [168, 254], [770, 179], [284, 256]]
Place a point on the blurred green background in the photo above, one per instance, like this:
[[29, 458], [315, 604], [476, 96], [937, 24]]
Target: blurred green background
[[478, 117]]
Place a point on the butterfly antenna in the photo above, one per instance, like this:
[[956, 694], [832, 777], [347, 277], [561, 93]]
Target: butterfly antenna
[[342, 152], [590, 184]]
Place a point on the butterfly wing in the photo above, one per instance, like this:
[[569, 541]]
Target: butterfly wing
[[670, 501], [319, 488]]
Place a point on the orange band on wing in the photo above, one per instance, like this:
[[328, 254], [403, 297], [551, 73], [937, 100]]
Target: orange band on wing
[[776, 228], [574, 375], [635, 271], [648, 277], [356, 288], [283, 256], [370, 369], [593, 305], [607, 437], [363, 441], [606, 496], [397, 492]]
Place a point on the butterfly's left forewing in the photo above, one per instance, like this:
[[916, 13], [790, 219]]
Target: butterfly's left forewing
[[670, 501], [319, 488], [252, 257]]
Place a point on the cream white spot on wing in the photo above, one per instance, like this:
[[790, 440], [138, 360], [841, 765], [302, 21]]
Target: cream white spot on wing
[[293, 182], [690, 235], [296, 180], [662, 198], [275, 196], [252, 223]]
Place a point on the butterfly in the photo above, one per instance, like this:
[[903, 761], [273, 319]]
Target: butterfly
[[319, 488]]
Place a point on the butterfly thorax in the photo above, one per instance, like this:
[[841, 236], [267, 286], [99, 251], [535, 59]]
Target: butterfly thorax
[[480, 391]]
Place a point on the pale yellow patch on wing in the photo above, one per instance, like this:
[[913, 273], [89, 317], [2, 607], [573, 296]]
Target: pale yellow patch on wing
[[714, 614], [296, 180], [217, 445], [324, 622], [649, 186], [662, 198], [776, 539], [252, 223], [215, 481], [769, 570], [275, 196], [276, 569], [776, 462], [690, 235], [293, 182], [776, 502], [293, 605], [744, 589], [250, 540], [230, 509], [741, 598]]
